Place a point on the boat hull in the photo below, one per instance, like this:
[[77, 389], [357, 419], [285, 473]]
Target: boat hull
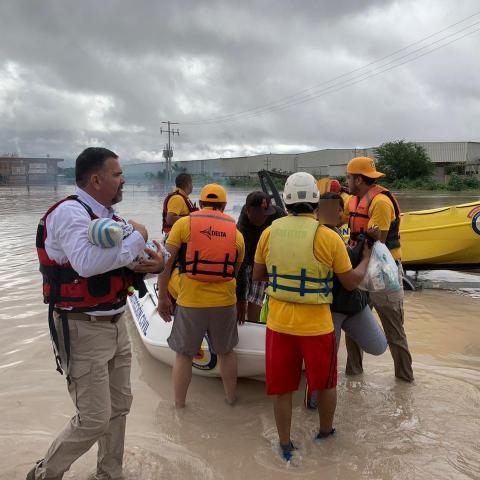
[[442, 237], [154, 331], [446, 238]]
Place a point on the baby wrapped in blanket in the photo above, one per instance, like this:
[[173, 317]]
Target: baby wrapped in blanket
[[106, 233]]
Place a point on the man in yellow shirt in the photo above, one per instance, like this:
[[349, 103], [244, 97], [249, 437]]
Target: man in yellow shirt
[[177, 204], [209, 249], [374, 205], [298, 257]]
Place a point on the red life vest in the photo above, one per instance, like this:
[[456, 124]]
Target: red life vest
[[65, 288], [191, 208], [211, 253], [358, 216]]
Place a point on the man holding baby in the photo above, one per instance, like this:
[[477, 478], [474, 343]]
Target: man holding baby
[[85, 287]]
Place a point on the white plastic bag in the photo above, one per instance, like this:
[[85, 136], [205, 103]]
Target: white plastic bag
[[382, 271]]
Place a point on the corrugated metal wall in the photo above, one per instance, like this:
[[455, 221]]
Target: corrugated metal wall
[[446, 152], [321, 162]]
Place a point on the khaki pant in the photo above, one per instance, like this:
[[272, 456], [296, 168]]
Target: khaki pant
[[100, 361], [389, 307]]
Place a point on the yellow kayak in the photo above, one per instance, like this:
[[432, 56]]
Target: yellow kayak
[[442, 236]]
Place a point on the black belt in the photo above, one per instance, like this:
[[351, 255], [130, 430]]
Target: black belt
[[94, 318]]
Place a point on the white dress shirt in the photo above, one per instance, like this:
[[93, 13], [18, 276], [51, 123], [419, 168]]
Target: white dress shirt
[[67, 240]]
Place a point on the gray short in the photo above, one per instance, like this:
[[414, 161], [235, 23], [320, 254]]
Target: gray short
[[191, 324]]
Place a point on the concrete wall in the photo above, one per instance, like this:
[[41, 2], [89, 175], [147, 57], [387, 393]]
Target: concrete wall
[[473, 157]]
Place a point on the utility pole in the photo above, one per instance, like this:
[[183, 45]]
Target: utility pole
[[267, 163], [168, 151]]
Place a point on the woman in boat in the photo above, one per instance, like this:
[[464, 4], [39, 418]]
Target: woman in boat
[[350, 309]]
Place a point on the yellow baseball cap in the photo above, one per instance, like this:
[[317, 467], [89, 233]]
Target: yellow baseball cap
[[363, 166], [213, 192]]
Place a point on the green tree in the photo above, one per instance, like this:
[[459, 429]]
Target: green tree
[[178, 168], [403, 160], [69, 172]]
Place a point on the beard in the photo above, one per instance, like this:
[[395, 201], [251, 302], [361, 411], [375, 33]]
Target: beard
[[118, 197]]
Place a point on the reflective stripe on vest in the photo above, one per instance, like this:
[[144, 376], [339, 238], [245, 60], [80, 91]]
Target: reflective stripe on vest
[[359, 217], [295, 274], [211, 253], [191, 208]]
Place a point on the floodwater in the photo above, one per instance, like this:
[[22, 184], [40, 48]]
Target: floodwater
[[386, 429]]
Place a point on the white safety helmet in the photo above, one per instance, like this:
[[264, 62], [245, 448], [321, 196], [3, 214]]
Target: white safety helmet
[[300, 187]]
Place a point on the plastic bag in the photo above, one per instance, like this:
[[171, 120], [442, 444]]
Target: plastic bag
[[382, 271]]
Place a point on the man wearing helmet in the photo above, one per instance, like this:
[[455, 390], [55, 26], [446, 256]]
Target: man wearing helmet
[[373, 205], [298, 257]]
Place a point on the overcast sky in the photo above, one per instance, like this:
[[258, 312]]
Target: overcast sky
[[76, 74]]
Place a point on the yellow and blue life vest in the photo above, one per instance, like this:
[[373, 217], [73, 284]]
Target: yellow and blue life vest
[[294, 273]]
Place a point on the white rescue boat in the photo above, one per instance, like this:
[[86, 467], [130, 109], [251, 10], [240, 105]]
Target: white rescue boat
[[154, 331]]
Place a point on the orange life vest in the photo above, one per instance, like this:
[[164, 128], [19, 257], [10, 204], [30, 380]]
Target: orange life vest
[[211, 253], [358, 216], [191, 208]]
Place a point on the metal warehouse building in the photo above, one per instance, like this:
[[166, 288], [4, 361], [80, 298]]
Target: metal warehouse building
[[331, 162]]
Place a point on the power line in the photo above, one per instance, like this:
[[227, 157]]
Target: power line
[[348, 83], [312, 92], [279, 105]]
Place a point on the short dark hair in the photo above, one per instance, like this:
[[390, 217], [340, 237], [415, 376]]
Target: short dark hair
[[367, 180], [91, 160], [303, 207], [214, 205], [333, 196], [182, 180]]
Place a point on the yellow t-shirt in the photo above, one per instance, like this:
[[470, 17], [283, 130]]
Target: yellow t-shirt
[[346, 198], [382, 213], [176, 204], [192, 293], [300, 318], [174, 283]]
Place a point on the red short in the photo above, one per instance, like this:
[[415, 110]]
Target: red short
[[284, 354]]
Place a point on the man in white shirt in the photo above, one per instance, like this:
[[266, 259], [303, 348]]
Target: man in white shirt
[[86, 288]]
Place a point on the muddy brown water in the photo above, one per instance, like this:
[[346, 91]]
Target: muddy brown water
[[386, 429]]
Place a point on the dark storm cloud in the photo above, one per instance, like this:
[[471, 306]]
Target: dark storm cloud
[[80, 73]]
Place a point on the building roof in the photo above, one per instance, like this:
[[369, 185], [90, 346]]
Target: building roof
[[31, 159]]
